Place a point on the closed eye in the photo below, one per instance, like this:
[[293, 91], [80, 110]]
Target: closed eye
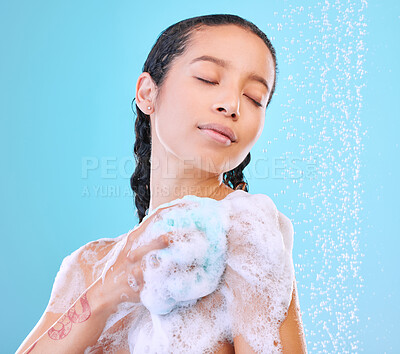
[[206, 81], [258, 104]]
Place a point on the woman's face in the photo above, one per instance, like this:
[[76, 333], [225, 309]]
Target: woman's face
[[235, 62]]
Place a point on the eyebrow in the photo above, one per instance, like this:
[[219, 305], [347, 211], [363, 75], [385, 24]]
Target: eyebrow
[[225, 64]]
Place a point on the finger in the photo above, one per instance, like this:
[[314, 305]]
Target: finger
[[161, 242], [155, 216], [134, 234]]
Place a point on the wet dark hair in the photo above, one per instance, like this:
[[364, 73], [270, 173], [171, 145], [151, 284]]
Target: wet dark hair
[[170, 44]]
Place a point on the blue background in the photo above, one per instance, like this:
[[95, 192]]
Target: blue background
[[328, 155]]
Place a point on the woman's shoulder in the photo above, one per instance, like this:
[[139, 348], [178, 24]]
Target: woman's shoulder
[[264, 204], [284, 223], [78, 271], [287, 230], [94, 253]]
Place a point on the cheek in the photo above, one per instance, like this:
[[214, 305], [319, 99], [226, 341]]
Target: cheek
[[182, 102], [175, 124], [260, 128], [169, 127], [254, 129]]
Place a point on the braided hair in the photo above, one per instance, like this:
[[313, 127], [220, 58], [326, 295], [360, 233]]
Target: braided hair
[[170, 44]]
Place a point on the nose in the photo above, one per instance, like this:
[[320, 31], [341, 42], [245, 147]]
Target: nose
[[229, 106]]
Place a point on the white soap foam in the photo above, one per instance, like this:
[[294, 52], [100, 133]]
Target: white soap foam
[[227, 273], [192, 266], [262, 270]]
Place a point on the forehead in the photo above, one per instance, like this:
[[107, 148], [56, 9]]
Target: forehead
[[241, 48]]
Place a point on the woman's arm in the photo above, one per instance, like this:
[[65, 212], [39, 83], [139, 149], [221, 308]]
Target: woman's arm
[[82, 324], [291, 332], [73, 331]]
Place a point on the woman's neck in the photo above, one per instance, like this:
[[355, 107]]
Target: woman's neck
[[167, 193]]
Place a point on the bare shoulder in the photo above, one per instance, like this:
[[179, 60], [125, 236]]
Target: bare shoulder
[[284, 223], [269, 210], [77, 272], [287, 230], [93, 255], [88, 257]]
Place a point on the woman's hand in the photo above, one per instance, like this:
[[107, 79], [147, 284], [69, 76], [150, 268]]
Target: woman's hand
[[81, 325], [122, 277]]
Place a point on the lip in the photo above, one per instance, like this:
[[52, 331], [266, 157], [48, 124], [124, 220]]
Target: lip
[[220, 129]]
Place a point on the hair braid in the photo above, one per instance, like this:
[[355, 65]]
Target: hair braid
[[140, 179]]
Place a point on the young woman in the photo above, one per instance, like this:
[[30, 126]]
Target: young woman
[[201, 102]]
